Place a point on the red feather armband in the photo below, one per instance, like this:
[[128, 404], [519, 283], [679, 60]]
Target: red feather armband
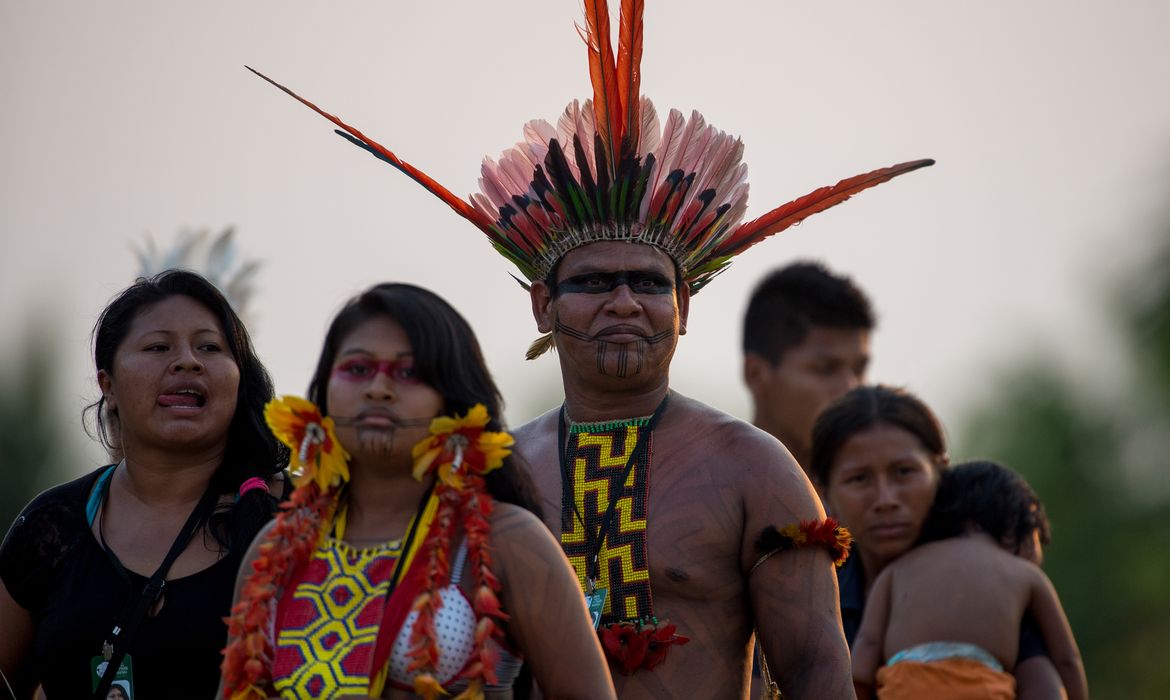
[[827, 533]]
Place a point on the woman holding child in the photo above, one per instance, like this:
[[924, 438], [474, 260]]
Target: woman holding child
[[947, 614], [878, 455]]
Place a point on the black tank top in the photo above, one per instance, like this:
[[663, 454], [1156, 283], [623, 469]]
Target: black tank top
[[54, 567]]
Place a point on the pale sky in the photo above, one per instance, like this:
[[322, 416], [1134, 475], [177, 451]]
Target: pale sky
[[1050, 122]]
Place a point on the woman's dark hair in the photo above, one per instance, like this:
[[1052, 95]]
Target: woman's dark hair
[[863, 408], [447, 358], [251, 451], [989, 495]]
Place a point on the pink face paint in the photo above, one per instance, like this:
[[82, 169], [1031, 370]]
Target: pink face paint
[[360, 369]]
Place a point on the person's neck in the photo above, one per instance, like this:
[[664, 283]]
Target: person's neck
[[166, 479], [589, 403], [382, 502]]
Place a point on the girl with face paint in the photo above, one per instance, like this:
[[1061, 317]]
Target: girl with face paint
[[395, 358]]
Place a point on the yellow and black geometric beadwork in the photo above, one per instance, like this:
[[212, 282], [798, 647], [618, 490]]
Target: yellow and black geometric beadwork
[[596, 459]]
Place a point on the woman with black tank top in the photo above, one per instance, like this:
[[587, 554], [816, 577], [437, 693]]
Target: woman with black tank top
[[119, 581]]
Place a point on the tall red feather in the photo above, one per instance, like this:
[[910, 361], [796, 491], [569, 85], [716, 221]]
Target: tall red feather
[[814, 202], [459, 205], [603, 74], [629, 67]]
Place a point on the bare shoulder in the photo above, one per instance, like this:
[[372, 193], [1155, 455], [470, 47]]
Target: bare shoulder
[[753, 458], [512, 521], [933, 556], [770, 489], [1010, 567], [520, 541], [736, 439], [519, 533], [536, 446], [537, 430], [1031, 573]]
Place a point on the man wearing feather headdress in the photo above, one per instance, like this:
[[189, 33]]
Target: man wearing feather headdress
[[675, 566], [692, 533]]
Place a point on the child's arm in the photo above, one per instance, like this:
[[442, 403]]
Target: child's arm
[[867, 647], [1058, 635]]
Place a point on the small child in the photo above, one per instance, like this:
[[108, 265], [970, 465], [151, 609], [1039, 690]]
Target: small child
[[946, 615]]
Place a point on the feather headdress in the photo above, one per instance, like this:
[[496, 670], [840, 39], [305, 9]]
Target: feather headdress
[[609, 171]]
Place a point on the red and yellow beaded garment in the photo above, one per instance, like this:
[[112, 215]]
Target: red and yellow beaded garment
[[329, 620]]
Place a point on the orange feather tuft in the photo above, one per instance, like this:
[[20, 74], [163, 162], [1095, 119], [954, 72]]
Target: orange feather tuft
[[607, 106], [629, 68]]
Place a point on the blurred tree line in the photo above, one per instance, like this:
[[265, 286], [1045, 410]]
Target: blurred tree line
[[35, 455], [1099, 466]]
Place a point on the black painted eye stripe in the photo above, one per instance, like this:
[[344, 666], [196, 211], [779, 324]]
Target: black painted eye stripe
[[639, 282]]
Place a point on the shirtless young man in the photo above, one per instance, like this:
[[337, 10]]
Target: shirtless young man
[[806, 343], [683, 544]]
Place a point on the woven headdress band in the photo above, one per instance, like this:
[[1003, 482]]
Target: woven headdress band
[[608, 171]]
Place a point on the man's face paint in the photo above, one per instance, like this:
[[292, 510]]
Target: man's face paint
[[623, 368], [639, 282]]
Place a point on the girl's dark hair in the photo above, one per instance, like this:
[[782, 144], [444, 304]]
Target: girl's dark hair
[[252, 451], [989, 495], [863, 408], [447, 358]]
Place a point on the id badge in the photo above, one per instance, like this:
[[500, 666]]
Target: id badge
[[123, 686], [596, 603]]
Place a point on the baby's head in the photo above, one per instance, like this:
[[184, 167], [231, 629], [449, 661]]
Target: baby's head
[[989, 497]]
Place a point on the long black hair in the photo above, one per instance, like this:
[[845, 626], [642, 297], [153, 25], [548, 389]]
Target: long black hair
[[251, 451], [447, 357], [863, 408]]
